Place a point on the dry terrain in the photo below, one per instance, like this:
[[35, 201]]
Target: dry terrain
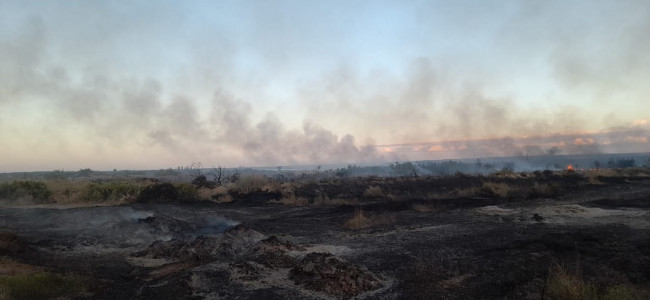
[[552, 235]]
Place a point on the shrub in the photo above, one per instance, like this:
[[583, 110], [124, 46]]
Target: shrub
[[43, 285], [168, 193], [25, 190], [186, 193], [202, 182], [112, 191]]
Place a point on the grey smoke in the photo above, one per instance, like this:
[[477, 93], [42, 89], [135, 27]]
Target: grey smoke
[[94, 95]]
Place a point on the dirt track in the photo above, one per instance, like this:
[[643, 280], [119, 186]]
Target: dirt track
[[480, 248]]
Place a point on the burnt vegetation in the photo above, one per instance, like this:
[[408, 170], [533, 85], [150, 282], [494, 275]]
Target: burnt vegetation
[[434, 230]]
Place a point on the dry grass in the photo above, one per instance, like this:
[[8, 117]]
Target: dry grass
[[66, 191], [464, 192], [566, 284], [360, 220], [373, 192], [249, 184], [289, 196], [335, 202], [498, 189], [321, 199], [218, 194], [292, 200], [273, 187], [224, 199], [542, 190]]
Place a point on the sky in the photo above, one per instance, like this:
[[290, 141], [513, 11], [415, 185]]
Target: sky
[[158, 84]]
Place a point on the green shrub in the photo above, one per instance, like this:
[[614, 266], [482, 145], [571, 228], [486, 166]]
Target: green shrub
[[25, 190], [43, 285], [186, 192], [100, 192]]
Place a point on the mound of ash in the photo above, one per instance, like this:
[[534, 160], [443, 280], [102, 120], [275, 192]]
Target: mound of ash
[[272, 252], [236, 241], [201, 248], [166, 225], [325, 273], [139, 231], [255, 258]]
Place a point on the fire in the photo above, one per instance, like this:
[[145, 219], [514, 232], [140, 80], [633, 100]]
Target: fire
[[569, 167]]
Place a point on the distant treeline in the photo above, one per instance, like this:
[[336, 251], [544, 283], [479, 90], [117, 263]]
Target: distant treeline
[[408, 168]]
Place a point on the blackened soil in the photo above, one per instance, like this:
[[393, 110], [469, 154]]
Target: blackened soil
[[449, 251]]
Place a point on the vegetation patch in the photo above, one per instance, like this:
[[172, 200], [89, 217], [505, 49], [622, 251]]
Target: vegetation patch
[[250, 183], [567, 284], [111, 191], [30, 191], [168, 193], [42, 285]]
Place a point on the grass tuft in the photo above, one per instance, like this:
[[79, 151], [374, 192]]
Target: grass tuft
[[373, 192], [360, 220]]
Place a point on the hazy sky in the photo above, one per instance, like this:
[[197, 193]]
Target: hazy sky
[[157, 84]]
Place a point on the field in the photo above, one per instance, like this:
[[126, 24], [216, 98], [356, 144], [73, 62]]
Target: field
[[558, 234]]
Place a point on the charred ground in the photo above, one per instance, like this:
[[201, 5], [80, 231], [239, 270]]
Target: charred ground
[[505, 235]]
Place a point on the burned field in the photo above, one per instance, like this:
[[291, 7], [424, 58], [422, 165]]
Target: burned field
[[542, 235]]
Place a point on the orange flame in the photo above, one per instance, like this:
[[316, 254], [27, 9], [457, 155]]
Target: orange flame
[[569, 167]]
